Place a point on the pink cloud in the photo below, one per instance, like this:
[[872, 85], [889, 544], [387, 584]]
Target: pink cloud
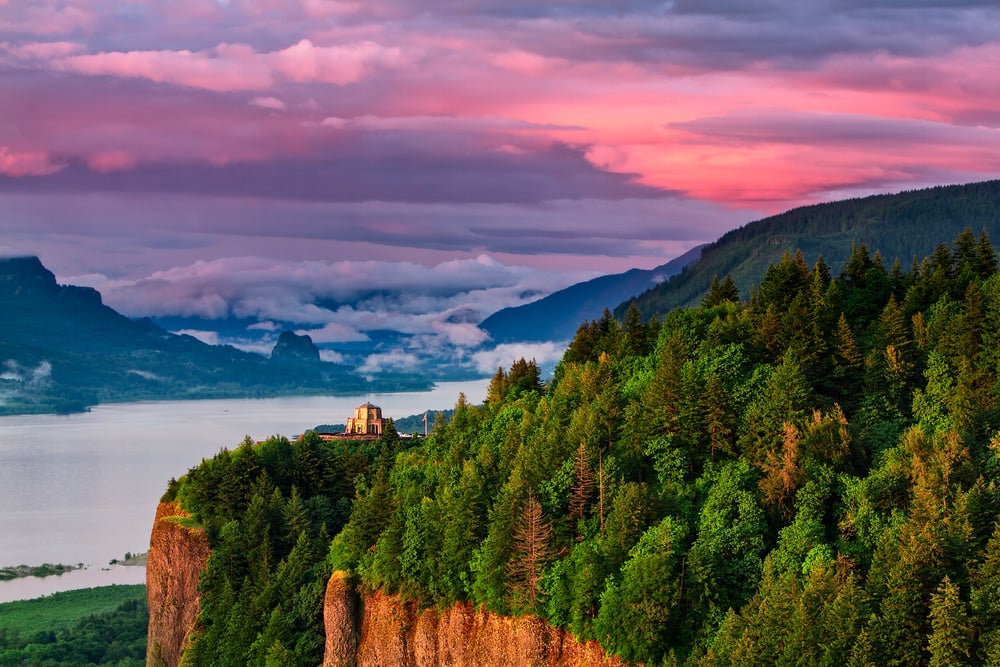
[[43, 50], [228, 67], [111, 160], [527, 63], [44, 18], [27, 163], [340, 64], [269, 103], [318, 9], [620, 85], [237, 67]]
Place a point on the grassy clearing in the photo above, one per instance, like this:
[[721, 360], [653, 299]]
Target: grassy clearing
[[185, 521], [63, 610]]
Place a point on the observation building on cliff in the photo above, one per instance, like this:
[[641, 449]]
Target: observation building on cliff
[[367, 420]]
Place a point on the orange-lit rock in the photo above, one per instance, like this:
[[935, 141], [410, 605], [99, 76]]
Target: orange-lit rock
[[383, 631], [177, 556]]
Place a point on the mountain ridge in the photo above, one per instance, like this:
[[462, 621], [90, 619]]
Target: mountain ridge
[[62, 350], [557, 315], [904, 226]]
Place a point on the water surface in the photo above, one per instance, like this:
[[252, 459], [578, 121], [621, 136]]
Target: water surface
[[83, 488]]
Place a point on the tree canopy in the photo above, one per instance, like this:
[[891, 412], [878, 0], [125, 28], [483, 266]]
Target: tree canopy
[[807, 477]]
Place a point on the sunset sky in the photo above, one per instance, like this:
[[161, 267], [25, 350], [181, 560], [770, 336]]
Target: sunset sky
[[197, 157]]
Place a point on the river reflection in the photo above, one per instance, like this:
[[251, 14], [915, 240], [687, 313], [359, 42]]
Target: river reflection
[[84, 487]]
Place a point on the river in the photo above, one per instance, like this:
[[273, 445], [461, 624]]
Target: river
[[83, 488]]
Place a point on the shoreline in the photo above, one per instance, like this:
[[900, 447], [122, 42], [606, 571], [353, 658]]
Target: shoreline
[[88, 576], [12, 572]]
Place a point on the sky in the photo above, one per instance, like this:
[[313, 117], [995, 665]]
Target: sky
[[420, 164]]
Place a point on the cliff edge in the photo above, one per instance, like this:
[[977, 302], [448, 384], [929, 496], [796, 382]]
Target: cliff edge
[[177, 556], [384, 631]]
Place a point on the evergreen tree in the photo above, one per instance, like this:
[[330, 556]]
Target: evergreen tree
[[721, 291], [951, 639], [583, 483], [531, 551]]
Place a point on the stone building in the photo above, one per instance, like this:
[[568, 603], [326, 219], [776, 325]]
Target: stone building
[[367, 420]]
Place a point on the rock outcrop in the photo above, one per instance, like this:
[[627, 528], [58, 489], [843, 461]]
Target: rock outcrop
[[295, 349], [384, 631], [378, 630], [177, 556]]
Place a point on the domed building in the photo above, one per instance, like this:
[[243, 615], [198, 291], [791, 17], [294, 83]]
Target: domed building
[[367, 420]]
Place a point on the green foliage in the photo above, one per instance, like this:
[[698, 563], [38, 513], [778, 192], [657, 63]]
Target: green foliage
[[270, 509], [804, 479], [89, 627], [903, 226]]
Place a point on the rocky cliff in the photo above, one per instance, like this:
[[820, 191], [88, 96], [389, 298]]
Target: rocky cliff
[[177, 556], [378, 630], [295, 349], [383, 631]]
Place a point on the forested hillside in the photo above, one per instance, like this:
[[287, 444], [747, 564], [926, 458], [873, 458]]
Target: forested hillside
[[555, 317], [806, 478], [904, 226], [63, 350]]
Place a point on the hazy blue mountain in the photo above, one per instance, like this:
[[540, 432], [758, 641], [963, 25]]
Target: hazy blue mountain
[[558, 315], [900, 226], [62, 349]]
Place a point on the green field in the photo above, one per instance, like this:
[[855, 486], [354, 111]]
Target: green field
[[91, 626], [63, 610]]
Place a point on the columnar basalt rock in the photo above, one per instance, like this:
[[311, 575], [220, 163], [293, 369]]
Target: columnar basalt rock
[[340, 618], [177, 556], [381, 630], [376, 630]]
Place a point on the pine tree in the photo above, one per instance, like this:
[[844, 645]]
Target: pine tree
[[986, 260], [531, 551], [721, 291], [718, 416], [583, 484], [634, 332], [862, 653], [782, 473], [662, 399], [951, 637], [846, 348], [857, 265]]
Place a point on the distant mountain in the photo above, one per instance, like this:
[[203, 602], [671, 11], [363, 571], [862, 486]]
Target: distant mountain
[[558, 315], [294, 348], [62, 349], [900, 226]]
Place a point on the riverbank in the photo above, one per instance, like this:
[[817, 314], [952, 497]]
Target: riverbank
[[41, 571], [92, 576]]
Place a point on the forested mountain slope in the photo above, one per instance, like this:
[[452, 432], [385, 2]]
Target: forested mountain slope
[[904, 226], [804, 479], [63, 350], [556, 316]]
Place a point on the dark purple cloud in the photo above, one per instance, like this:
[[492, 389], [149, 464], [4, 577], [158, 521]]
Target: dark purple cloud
[[163, 144], [366, 168]]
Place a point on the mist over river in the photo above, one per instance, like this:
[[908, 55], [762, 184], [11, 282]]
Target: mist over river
[[83, 488]]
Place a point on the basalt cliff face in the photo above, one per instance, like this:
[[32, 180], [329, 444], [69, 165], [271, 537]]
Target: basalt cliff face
[[377, 630], [384, 631], [177, 556]]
